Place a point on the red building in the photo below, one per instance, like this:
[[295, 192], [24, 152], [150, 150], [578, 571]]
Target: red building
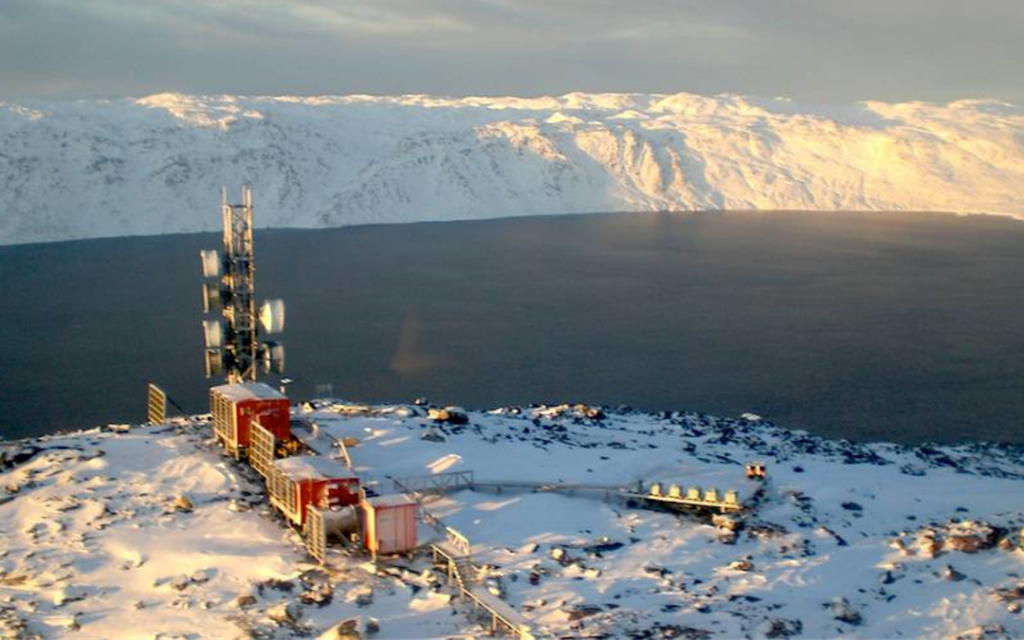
[[300, 481], [389, 524], [234, 406]]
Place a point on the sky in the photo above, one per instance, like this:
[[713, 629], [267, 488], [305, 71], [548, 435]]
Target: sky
[[825, 51]]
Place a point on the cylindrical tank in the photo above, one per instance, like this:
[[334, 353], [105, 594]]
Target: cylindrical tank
[[339, 522]]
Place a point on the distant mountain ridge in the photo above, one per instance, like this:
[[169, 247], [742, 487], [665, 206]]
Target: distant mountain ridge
[[100, 168]]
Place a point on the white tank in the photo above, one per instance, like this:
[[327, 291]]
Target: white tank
[[339, 522]]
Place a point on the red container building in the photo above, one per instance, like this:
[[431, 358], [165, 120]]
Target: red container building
[[389, 524], [234, 406], [299, 481]]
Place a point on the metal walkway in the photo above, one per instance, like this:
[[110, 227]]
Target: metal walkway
[[464, 575], [449, 482]]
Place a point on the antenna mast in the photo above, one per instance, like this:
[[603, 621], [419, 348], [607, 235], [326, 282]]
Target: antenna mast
[[232, 343]]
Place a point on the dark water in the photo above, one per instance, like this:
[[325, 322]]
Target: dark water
[[894, 326]]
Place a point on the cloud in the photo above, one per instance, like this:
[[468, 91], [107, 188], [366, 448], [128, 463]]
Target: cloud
[[809, 49]]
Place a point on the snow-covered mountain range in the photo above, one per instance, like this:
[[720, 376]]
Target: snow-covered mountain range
[[154, 165]]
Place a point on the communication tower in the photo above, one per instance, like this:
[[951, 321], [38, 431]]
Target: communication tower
[[233, 346]]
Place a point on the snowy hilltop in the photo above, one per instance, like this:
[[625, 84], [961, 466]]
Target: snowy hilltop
[[151, 532], [150, 166]]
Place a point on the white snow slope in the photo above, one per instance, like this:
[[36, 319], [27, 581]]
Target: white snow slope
[[852, 541], [154, 165]]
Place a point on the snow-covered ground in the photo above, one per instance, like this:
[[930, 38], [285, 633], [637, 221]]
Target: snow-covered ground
[[81, 169], [859, 541]]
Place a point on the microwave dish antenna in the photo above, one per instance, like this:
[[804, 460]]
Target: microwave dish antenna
[[232, 343]]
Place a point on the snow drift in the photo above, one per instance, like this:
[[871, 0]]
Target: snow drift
[[97, 539], [154, 165]]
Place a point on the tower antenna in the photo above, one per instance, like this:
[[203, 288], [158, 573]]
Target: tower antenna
[[232, 342]]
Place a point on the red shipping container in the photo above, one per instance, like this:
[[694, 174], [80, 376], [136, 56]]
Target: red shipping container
[[389, 524], [234, 406], [300, 481]]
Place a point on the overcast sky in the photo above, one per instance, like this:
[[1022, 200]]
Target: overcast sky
[[818, 50]]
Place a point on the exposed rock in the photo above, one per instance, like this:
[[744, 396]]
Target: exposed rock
[[287, 612], [495, 586], [672, 632], [783, 628], [320, 595], [743, 564], [766, 531], [201, 576], [363, 597], [842, 611], [68, 594], [180, 583], [657, 570], [12, 627], [451, 415], [928, 544], [432, 435], [984, 631], [372, 626], [72, 624], [245, 601], [971, 537], [723, 521], [852, 506], [725, 536], [345, 630], [183, 503], [949, 573], [276, 585], [604, 545], [1010, 594], [580, 611]]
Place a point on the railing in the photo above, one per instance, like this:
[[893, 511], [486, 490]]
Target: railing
[[262, 445], [501, 614], [435, 483], [569, 488], [709, 498], [345, 457], [316, 534], [455, 551], [281, 489]]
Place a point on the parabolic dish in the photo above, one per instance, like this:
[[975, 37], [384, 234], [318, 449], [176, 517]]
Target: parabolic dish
[[272, 316], [213, 334], [210, 262]]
